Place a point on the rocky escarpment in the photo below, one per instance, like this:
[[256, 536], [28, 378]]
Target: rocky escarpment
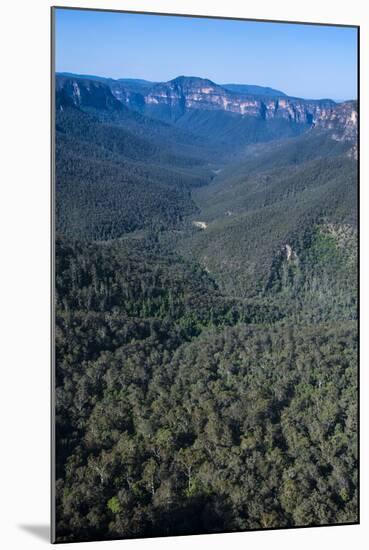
[[185, 94], [342, 120], [83, 92]]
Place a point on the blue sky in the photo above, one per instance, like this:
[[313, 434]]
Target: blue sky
[[301, 60]]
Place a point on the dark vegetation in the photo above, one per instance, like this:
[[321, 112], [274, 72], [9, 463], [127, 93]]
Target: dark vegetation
[[206, 379], [253, 211], [111, 181]]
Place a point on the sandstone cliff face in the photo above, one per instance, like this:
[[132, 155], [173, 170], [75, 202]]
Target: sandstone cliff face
[[342, 119], [196, 93], [85, 93], [189, 93]]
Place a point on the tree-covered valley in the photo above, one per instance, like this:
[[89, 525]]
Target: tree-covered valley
[[205, 309]]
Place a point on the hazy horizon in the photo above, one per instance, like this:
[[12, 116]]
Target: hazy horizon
[[156, 81]]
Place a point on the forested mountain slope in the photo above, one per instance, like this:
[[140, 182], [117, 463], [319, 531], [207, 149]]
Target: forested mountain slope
[[279, 197], [206, 309], [227, 118], [111, 180], [172, 417]]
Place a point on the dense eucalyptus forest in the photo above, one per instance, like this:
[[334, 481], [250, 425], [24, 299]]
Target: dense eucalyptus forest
[[205, 309]]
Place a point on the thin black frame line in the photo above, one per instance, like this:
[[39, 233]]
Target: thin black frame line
[[358, 279], [52, 282], [52, 251], [201, 16]]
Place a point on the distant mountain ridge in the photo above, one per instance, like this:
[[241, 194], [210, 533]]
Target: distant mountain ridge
[[252, 89], [178, 99], [249, 89]]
